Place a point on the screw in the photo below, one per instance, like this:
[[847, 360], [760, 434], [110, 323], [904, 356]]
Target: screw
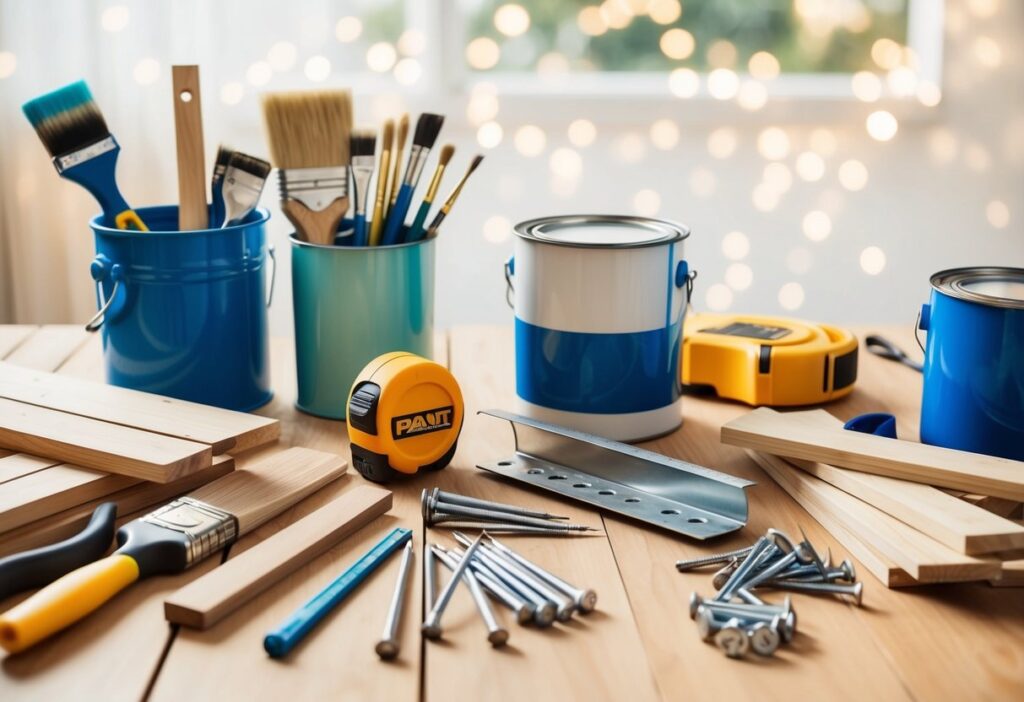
[[508, 528], [523, 610], [722, 575], [497, 635], [432, 626], [777, 567], [585, 600], [388, 646], [854, 590], [764, 638], [438, 496], [732, 639], [445, 512], [766, 610], [565, 606], [544, 610], [736, 578], [429, 579], [714, 559], [749, 597]]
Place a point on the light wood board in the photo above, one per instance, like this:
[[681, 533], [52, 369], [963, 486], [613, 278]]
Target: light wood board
[[48, 347], [99, 445], [223, 429], [12, 335], [787, 434], [16, 465], [47, 492]]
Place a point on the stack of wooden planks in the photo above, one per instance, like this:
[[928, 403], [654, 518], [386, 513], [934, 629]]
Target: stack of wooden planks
[[70, 444], [911, 513]]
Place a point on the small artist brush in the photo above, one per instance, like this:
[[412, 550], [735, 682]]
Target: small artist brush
[[379, 203], [309, 143], [243, 183], [73, 130], [364, 144], [220, 165], [427, 128], [446, 208], [416, 231], [396, 162]]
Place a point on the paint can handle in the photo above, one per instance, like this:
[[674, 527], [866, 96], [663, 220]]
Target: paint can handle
[[272, 252], [100, 269], [924, 318], [510, 270]]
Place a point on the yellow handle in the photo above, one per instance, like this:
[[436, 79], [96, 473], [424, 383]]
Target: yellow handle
[[63, 602], [129, 219]]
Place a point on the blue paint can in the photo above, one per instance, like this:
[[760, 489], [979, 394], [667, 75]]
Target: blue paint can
[[599, 306], [184, 314], [974, 361]]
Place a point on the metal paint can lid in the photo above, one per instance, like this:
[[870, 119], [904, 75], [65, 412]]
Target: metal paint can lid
[[601, 231], [987, 285]]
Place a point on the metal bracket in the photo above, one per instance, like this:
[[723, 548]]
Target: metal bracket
[[675, 495]]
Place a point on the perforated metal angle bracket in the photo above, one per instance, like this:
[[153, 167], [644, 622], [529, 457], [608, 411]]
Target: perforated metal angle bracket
[[675, 495]]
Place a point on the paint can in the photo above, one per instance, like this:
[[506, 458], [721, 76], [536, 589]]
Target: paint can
[[184, 314], [973, 396], [599, 307]]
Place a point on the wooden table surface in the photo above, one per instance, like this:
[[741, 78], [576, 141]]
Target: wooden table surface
[[954, 642]]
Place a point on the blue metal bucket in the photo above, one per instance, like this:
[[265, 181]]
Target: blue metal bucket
[[184, 314], [974, 361]]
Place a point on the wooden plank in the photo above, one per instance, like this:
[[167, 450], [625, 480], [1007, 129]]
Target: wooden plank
[[16, 465], [223, 429], [47, 492], [996, 505], [13, 335], [131, 499], [49, 347], [1012, 575], [87, 361], [99, 445], [206, 601], [789, 435], [925, 559]]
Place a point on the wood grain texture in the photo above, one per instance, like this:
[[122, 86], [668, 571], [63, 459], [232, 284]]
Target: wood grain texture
[[787, 434], [206, 601], [48, 347], [223, 429], [188, 132], [47, 492], [140, 496], [1012, 575], [97, 445], [16, 465], [13, 335]]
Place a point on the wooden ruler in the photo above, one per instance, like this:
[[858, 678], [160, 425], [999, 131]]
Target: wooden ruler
[[188, 130]]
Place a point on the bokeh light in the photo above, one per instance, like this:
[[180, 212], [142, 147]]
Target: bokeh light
[[739, 276], [482, 107], [998, 214], [664, 134], [721, 54], [8, 64], [866, 86], [664, 11], [718, 298], [886, 53], [817, 225], [412, 42], [872, 260], [582, 133], [565, 163], [684, 82], [763, 66], [630, 147], [810, 166], [773, 144], [259, 73], [530, 140], [853, 175], [735, 245], [722, 142], [791, 296], [489, 135], [511, 20], [282, 55], [483, 53], [723, 84], [591, 22], [881, 125], [677, 44], [317, 68], [752, 95], [381, 57], [115, 18], [647, 202], [408, 71], [348, 29], [987, 52]]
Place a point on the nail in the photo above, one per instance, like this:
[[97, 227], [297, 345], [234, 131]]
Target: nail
[[543, 609], [429, 579], [389, 644], [854, 591], [437, 495], [523, 610], [585, 600], [508, 528], [764, 638], [749, 597], [444, 512], [497, 635], [732, 639], [714, 559], [432, 626], [736, 579]]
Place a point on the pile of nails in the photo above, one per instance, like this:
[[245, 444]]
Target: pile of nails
[[736, 619], [450, 510], [489, 567]]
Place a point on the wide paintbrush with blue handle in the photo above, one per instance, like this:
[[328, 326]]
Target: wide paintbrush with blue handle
[[428, 126], [73, 130]]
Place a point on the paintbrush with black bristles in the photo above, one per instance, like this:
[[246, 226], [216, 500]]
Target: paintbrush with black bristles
[[427, 128], [243, 183], [364, 146], [220, 165], [309, 143], [447, 206], [416, 231], [83, 150]]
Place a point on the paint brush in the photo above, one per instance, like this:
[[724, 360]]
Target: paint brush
[[172, 539], [364, 144], [381, 198], [72, 128], [447, 206], [427, 128], [309, 143], [243, 183], [220, 164], [416, 231], [396, 162]]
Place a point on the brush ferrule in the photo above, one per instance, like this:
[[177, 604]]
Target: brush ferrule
[[417, 159], [207, 528], [74, 158], [362, 172], [241, 192], [316, 188]]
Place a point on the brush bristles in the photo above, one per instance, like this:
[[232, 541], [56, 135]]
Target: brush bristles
[[447, 151], [428, 126], [308, 129], [250, 164], [364, 142], [387, 134], [223, 156], [403, 130], [476, 162], [67, 119]]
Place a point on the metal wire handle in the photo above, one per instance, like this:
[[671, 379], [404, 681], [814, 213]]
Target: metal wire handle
[[880, 346], [272, 252], [97, 319], [509, 288]]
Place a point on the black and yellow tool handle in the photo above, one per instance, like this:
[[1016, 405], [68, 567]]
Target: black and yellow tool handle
[[65, 601]]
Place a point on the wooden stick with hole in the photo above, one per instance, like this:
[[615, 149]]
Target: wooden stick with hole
[[188, 130]]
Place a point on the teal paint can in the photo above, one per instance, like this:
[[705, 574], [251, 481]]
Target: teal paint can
[[351, 305]]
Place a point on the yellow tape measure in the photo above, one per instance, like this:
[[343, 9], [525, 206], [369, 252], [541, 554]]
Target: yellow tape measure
[[404, 415], [771, 361]]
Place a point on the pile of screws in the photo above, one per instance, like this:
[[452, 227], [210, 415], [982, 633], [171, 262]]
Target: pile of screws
[[450, 510], [490, 567], [736, 619]]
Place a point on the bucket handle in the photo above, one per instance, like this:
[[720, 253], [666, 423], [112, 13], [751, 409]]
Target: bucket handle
[[100, 269], [272, 252], [510, 270], [96, 321]]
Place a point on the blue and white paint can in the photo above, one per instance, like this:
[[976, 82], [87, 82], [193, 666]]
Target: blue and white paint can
[[599, 307]]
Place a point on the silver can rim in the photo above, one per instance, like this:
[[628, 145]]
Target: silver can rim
[[674, 231], [951, 282]]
